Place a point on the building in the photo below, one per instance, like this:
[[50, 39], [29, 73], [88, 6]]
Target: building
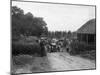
[[87, 33]]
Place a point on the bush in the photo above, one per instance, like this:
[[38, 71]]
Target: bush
[[22, 60], [90, 47], [22, 47], [76, 47], [89, 54], [80, 47]]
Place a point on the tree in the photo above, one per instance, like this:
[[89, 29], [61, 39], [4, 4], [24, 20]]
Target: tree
[[17, 11], [26, 24], [69, 34]]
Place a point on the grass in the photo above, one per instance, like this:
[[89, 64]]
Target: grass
[[83, 49], [89, 55]]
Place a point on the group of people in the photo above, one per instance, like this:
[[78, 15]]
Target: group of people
[[54, 45]]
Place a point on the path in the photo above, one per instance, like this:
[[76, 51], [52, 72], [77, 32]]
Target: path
[[57, 62], [63, 61]]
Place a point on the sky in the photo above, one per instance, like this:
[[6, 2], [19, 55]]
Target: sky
[[59, 17]]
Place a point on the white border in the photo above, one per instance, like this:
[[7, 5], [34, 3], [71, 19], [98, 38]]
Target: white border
[[5, 37]]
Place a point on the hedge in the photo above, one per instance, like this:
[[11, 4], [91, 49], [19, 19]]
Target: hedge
[[77, 47], [22, 47]]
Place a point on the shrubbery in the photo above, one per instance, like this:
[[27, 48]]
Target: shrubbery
[[25, 48], [89, 54], [83, 49], [77, 47], [22, 60]]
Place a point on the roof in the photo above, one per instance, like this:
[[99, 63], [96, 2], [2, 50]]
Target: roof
[[88, 28]]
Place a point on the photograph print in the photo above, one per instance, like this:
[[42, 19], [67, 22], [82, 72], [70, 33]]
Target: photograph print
[[52, 37]]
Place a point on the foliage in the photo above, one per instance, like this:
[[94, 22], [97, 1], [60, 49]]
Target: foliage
[[89, 54], [22, 60], [80, 47], [26, 24], [22, 47], [61, 34], [57, 34]]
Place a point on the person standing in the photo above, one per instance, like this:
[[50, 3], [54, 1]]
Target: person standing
[[43, 52]]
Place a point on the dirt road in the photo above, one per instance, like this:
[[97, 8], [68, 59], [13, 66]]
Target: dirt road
[[63, 61], [56, 62]]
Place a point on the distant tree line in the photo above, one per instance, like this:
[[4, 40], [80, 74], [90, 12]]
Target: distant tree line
[[59, 34], [27, 24]]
